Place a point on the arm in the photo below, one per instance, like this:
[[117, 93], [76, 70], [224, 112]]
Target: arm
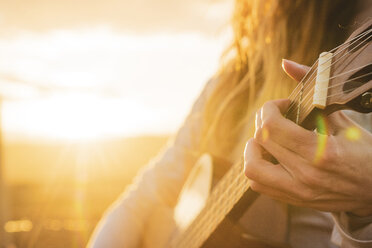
[[158, 184]]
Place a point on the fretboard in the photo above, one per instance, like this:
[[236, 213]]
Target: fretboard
[[224, 196]]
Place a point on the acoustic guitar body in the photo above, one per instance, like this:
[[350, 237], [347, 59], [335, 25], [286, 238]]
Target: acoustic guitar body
[[166, 222], [229, 233]]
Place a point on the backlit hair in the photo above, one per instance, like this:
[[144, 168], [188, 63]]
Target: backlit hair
[[265, 32]]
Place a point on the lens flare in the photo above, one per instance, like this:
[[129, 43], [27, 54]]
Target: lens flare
[[322, 138], [353, 133], [13, 226]]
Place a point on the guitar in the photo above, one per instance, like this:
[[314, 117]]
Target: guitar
[[339, 79]]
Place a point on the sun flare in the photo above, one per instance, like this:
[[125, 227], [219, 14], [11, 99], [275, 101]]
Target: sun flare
[[75, 117]]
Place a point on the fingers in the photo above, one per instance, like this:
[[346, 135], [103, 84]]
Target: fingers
[[272, 179], [260, 170], [285, 157], [271, 126], [294, 70]]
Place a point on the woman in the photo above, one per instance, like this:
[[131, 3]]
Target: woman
[[223, 119]]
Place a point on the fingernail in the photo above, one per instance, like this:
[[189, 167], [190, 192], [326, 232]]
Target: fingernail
[[290, 62]]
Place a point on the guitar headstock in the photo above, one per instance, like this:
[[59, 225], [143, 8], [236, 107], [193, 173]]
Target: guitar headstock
[[350, 82], [339, 79]]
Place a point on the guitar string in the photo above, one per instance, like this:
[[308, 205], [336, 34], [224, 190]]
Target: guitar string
[[339, 75], [220, 189], [349, 80], [336, 94], [308, 84], [307, 103], [310, 91], [223, 194], [215, 194], [292, 93], [340, 93], [210, 221], [347, 44], [294, 102], [339, 59], [333, 63]]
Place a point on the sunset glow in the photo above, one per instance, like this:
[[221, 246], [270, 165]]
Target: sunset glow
[[97, 83], [77, 117], [90, 92]]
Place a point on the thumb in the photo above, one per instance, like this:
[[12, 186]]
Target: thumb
[[294, 70]]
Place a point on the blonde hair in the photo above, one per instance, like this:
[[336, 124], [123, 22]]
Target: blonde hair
[[265, 31]]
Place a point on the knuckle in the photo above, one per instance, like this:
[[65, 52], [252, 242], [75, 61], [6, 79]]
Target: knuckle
[[268, 123], [248, 169], [263, 133], [254, 186], [308, 177], [308, 194], [265, 105]]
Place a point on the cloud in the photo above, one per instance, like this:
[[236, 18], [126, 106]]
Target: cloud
[[146, 71], [135, 16]]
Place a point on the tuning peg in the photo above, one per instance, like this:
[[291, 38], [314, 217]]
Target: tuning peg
[[366, 100]]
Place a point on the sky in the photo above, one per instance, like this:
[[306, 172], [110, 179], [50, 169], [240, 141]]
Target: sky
[[89, 69]]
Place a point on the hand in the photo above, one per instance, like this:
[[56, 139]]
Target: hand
[[330, 172]]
